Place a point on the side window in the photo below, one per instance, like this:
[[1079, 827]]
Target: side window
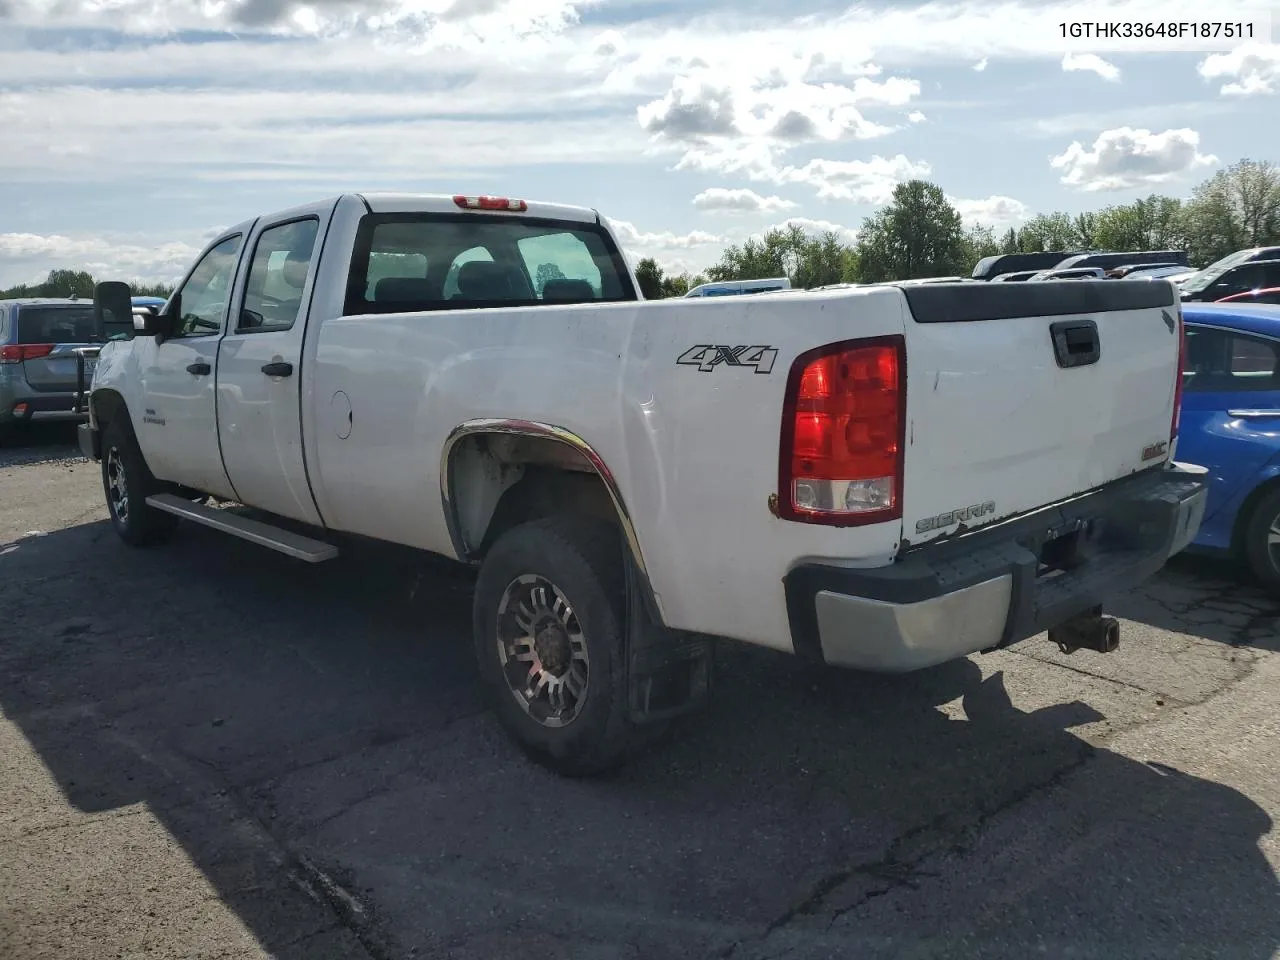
[[1253, 363], [1238, 280], [204, 298], [277, 276], [562, 261], [1270, 276], [1223, 362]]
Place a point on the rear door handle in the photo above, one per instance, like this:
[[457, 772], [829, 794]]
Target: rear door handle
[[1075, 343], [278, 369], [200, 368]]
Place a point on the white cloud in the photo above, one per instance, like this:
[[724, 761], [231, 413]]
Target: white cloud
[[1124, 158], [449, 21], [915, 116], [862, 181], [1090, 63], [994, 211], [739, 201], [25, 257], [981, 65], [633, 238], [330, 139], [770, 106], [1252, 69]]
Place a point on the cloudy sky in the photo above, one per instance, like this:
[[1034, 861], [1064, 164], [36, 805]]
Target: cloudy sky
[[129, 129]]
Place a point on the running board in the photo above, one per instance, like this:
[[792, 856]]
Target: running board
[[255, 531]]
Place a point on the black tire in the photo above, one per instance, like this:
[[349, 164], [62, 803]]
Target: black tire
[[137, 523], [582, 559], [1263, 523]]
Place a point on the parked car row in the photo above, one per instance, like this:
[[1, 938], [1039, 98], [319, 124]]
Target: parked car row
[[43, 344]]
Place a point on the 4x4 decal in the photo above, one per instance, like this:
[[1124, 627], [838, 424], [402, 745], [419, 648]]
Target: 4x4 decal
[[706, 357]]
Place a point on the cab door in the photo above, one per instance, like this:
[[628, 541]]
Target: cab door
[[176, 419], [259, 366]]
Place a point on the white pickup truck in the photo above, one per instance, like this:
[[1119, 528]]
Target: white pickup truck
[[883, 478]]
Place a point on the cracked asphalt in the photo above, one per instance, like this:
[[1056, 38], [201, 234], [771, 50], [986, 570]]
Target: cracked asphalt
[[212, 751]]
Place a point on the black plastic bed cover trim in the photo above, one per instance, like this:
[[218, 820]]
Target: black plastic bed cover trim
[[968, 302]]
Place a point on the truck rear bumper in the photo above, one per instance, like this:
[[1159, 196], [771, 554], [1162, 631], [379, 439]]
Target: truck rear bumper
[[995, 586]]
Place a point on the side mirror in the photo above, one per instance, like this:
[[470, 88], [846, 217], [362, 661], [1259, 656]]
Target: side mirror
[[112, 309]]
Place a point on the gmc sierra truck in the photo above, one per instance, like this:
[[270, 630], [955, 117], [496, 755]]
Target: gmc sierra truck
[[882, 478]]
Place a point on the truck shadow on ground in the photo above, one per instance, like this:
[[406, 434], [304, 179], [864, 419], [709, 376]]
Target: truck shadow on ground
[[323, 723]]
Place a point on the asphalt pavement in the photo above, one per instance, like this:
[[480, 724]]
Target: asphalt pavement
[[209, 750]]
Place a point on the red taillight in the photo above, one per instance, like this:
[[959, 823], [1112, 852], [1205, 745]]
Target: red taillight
[[491, 203], [17, 352], [1179, 377], [842, 434]]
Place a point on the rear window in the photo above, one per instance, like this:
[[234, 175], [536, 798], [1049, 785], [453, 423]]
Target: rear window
[[70, 324], [410, 262]]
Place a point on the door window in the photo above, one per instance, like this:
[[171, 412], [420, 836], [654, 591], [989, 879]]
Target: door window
[[277, 276], [1239, 279], [204, 298], [1219, 361]]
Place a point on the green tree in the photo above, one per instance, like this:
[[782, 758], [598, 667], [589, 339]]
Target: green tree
[[1152, 223], [649, 276], [68, 283], [143, 288], [681, 284], [547, 271], [980, 241], [1086, 230], [919, 234], [1236, 208], [1048, 231]]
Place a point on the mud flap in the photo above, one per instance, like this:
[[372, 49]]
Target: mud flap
[[668, 671]]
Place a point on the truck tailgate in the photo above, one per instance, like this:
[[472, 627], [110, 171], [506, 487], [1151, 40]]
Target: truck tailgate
[[1022, 395]]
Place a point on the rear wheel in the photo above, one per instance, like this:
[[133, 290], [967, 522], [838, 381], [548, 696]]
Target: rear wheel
[[1262, 540], [127, 482], [548, 630]]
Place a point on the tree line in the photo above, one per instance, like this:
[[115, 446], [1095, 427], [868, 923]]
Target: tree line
[[920, 234], [77, 283]]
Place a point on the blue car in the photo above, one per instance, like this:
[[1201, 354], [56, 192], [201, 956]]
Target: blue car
[[1231, 425]]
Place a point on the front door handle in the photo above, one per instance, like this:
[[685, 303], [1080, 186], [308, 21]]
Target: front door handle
[[278, 369], [200, 368]]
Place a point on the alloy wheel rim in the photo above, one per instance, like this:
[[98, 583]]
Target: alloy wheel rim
[[1273, 542], [117, 485], [543, 651]]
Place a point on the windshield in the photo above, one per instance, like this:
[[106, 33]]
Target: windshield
[[411, 262], [1202, 278], [56, 324]]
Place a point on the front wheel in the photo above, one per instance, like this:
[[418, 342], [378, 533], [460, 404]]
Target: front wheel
[[548, 623], [127, 482]]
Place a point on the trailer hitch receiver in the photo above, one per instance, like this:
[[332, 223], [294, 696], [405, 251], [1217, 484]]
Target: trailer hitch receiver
[[1087, 631]]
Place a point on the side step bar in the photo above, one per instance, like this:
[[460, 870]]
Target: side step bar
[[255, 531]]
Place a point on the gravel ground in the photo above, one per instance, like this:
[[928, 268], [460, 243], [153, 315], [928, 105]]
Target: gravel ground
[[212, 751]]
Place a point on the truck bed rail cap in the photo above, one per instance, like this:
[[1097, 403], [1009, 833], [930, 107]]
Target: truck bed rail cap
[[966, 302]]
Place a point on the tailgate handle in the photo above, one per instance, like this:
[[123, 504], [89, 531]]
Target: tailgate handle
[[1075, 343]]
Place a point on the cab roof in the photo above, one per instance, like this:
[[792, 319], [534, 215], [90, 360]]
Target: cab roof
[[448, 203]]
